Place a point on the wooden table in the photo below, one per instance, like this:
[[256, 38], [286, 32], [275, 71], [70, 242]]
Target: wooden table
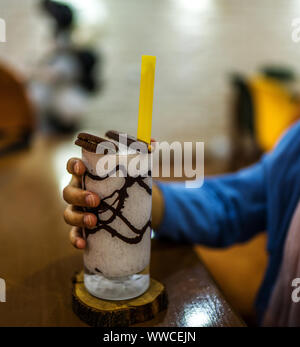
[[37, 261]]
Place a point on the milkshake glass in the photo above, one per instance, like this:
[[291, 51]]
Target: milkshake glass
[[117, 255]]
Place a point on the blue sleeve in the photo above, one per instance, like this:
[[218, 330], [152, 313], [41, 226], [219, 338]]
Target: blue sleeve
[[225, 210]]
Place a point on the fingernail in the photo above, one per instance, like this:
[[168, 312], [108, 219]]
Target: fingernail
[[91, 200], [76, 167], [88, 220], [80, 243]]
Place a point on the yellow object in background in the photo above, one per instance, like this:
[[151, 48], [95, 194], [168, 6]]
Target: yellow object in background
[[146, 98], [274, 110]]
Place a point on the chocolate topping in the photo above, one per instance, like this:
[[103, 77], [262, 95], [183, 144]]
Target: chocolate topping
[[120, 197], [116, 136], [90, 142]]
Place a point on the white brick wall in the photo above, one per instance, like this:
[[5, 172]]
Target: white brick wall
[[197, 44]]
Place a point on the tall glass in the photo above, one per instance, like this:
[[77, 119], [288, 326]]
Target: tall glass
[[116, 259]]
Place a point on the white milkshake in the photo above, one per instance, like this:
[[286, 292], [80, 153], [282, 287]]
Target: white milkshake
[[118, 248]]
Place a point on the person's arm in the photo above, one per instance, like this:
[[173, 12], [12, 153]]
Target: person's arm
[[225, 210]]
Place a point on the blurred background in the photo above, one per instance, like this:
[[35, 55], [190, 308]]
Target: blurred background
[[227, 74], [198, 44]]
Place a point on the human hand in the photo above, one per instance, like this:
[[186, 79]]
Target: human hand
[[78, 198]]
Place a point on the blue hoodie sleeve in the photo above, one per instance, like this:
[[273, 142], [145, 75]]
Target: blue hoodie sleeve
[[225, 210]]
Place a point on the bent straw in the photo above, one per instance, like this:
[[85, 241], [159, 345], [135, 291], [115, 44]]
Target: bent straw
[[146, 98]]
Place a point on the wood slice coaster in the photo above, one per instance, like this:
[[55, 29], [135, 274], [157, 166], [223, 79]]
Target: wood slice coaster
[[104, 313]]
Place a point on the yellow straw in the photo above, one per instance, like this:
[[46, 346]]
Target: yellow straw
[[146, 98]]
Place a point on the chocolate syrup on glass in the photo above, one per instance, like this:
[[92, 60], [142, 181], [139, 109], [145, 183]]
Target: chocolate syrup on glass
[[121, 196]]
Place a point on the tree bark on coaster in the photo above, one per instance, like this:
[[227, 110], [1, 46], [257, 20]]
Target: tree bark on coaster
[[104, 313]]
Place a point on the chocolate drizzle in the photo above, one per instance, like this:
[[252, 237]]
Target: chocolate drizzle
[[121, 196]]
